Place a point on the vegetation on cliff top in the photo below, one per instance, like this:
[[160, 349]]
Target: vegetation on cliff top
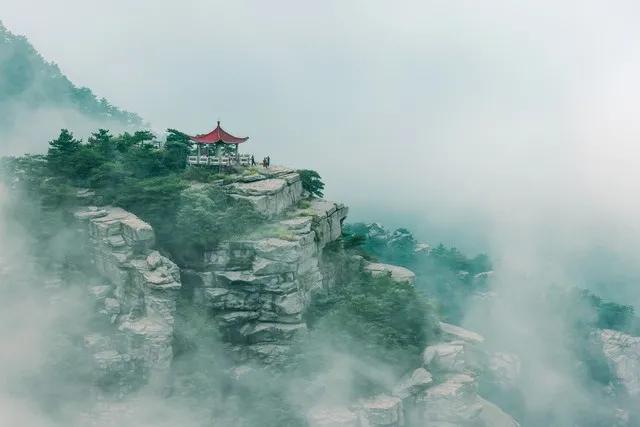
[[130, 170]]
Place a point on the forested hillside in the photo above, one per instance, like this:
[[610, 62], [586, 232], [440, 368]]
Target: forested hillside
[[36, 94]]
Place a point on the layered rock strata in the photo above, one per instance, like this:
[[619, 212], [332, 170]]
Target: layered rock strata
[[257, 286], [137, 300]]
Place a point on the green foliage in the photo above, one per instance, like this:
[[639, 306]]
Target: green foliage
[[128, 171], [207, 216], [144, 161], [375, 321], [444, 274], [175, 156], [174, 135], [202, 174], [312, 182], [455, 260], [607, 314], [102, 141], [155, 200], [62, 152]]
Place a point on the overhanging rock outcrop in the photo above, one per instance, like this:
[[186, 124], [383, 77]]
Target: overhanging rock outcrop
[[137, 297]]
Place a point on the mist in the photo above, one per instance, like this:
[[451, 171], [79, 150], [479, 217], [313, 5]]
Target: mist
[[430, 111], [498, 127]]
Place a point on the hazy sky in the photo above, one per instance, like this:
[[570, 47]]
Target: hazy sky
[[468, 121]]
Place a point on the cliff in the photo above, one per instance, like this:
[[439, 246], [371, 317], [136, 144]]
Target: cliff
[[138, 297], [255, 289]]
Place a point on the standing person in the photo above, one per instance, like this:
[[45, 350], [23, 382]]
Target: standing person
[[264, 162], [253, 160], [268, 161]]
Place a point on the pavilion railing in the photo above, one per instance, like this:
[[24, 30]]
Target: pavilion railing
[[242, 159]]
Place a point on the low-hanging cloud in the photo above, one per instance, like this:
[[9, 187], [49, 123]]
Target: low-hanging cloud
[[497, 126]]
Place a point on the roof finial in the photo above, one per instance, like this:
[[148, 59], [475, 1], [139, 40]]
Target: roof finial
[[218, 123]]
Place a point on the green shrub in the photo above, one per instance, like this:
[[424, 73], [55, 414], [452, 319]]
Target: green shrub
[[374, 322], [311, 182], [206, 216]]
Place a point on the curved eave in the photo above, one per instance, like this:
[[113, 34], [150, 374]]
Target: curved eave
[[199, 140]]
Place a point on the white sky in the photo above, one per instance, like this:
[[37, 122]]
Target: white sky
[[453, 117]]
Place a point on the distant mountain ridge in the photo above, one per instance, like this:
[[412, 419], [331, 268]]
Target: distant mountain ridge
[[29, 83]]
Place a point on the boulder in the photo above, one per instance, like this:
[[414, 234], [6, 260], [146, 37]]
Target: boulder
[[445, 357], [413, 384], [453, 401], [452, 332], [397, 273]]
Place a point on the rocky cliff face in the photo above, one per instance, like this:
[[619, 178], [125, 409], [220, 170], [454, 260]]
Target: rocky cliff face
[[137, 297], [622, 352], [258, 286], [443, 392], [256, 289], [272, 191]]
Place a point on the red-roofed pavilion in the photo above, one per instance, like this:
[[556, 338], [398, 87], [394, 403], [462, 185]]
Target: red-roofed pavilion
[[218, 138]]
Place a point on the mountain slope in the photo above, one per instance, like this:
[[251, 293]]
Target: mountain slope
[[36, 98]]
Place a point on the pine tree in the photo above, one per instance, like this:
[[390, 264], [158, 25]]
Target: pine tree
[[62, 150], [103, 141]]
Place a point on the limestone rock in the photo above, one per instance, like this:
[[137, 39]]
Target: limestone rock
[[492, 416], [271, 195], [413, 384], [623, 355], [332, 416], [453, 401], [269, 353], [272, 331], [457, 333], [381, 410], [446, 357], [140, 297], [327, 220], [397, 273]]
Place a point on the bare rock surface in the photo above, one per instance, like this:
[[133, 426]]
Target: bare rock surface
[[456, 332], [623, 355], [258, 286], [138, 298], [397, 273], [272, 191], [332, 416]]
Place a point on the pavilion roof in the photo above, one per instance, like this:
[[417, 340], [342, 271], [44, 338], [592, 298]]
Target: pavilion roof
[[218, 135]]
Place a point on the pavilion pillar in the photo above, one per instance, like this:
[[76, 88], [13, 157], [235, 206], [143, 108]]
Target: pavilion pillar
[[198, 158]]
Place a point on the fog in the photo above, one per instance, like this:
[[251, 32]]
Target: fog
[[499, 126], [439, 112]]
